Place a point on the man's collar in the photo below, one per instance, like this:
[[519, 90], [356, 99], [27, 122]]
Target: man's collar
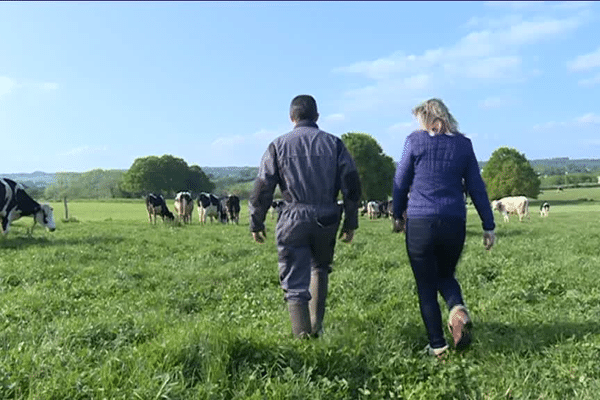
[[306, 122]]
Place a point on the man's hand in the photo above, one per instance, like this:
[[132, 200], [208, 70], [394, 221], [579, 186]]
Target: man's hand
[[347, 236], [489, 238], [260, 236], [399, 225]]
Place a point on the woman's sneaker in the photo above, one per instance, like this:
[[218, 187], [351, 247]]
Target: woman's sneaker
[[439, 352], [460, 326]]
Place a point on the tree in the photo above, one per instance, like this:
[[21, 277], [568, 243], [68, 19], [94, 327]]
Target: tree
[[166, 174], [197, 181], [509, 173], [375, 169]]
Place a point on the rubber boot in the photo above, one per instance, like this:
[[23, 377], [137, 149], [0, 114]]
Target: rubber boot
[[318, 290], [300, 318]]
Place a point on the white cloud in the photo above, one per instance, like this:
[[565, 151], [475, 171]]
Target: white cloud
[[585, 61], [493, 67], [493, 23], [492, 102], [387, 92], [549, 125], [49, 86], [488, 47], [595, 80], [83, 150], [267, 135], [572, 5], [513, 4], [228, 141], [588, 119], [6, 85], [402, 127], [334, 118]]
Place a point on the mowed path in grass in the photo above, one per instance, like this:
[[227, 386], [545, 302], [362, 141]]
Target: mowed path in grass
[[114, 307]]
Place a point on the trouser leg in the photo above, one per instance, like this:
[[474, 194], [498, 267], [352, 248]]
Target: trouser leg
[[448, 253], [420, 241]]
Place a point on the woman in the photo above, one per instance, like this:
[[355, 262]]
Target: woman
[[436, 160]]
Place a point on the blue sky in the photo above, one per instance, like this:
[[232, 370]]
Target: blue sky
[[98, 84]]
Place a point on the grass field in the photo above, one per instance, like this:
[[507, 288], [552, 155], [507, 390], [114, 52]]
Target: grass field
[[111, 307]]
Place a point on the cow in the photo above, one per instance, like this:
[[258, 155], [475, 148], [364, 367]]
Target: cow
[[233, 208], [16, 203], [156, 205], [223, 216], [517, 205], [363, 208], [184, 205], [373, 209], [544, 209], [277, 207], [208, 206]]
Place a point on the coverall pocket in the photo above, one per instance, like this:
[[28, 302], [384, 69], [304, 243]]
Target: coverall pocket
[[327, 220]]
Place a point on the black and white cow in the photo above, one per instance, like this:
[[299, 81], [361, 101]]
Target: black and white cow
[[156, 205], [223, 216], [16, 203], [276, 207], [233, 208], [544, 209], [184, 206], [208, 206]]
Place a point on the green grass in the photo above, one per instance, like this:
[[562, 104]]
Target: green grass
[[113, 307]]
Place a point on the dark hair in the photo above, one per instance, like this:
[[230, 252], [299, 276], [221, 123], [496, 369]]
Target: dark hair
[[303, 107]]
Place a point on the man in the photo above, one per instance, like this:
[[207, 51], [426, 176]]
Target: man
[[311, 167]]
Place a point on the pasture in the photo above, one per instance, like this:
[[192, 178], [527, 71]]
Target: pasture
[[111, 307]]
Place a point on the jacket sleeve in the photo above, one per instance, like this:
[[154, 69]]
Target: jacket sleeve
[[477, 191], [264, 185], [403, 179], [349, 186]]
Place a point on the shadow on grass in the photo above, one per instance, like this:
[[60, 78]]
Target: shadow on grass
[[501, 337], [21, 242]]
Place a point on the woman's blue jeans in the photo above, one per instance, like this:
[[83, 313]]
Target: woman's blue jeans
[[434, 246]]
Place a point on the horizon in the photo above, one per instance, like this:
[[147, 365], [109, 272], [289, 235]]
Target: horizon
[[256, 166], [96, 85]]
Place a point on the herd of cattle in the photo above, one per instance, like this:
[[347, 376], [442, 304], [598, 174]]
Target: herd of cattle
[[225, 209], [16, 203]]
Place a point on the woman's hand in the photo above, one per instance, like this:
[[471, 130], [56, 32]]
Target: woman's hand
[[489, 238]]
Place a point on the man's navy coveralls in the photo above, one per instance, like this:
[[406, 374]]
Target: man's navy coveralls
[[311, 167]]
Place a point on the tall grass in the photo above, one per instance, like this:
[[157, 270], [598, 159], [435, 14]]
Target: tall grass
[[113, 307]]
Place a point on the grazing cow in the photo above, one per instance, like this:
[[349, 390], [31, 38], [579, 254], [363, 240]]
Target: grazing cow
[[517, 205], [223, 216], [156, 205], [385, 209], [233, 208], [373, 209], [544, 209], [208, 206], [363, 208], [184, 206], [277, 207], [16, 203]]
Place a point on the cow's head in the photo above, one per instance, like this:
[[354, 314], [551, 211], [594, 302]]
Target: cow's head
[[497, 205], [45, 216]]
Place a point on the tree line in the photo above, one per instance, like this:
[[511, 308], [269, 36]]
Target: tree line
[[507, 173]]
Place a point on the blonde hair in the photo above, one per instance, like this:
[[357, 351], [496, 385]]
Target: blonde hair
[[433, 115]]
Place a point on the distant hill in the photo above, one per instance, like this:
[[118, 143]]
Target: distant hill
[[224, 176], [560, 165], [38, 178]]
